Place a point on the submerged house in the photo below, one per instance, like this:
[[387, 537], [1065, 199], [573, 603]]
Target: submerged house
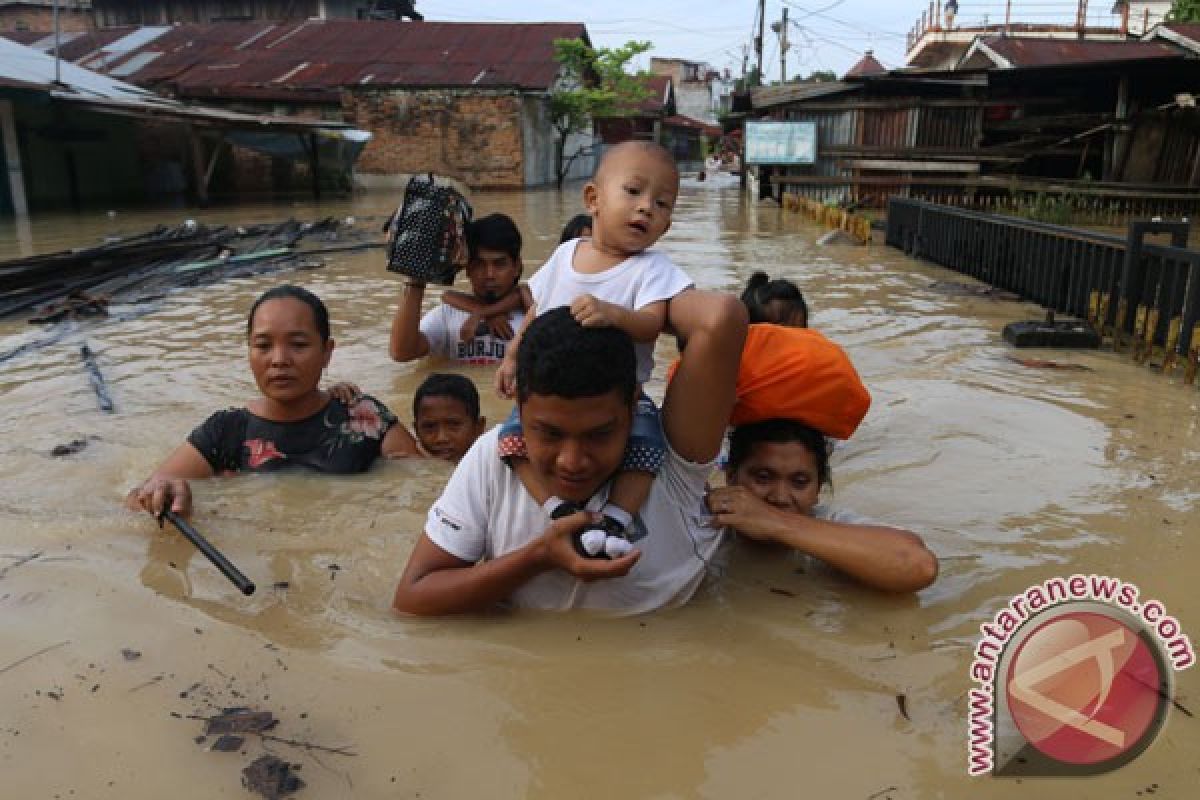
[[73, 137], [470, 100], [1108, 124], [658, 118]]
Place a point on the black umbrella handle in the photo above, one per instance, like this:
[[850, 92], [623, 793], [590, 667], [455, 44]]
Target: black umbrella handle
[[244, 584]]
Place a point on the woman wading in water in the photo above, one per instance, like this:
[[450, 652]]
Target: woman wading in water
[[292, 423]]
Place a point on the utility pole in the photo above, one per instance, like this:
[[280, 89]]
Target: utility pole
[[758, 40], [57, 74], [783, 45]]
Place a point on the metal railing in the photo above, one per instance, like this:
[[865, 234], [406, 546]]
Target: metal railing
[[1144, 297]]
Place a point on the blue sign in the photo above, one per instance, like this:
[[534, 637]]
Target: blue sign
[[781, 142]]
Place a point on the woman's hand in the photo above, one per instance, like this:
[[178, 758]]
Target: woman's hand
[[736, 507], [158, 493]]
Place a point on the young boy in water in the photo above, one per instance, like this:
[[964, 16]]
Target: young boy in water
[[446, 416], [612, 279]]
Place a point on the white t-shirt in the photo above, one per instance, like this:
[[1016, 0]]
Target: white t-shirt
[[442, 327], [648, 277], [485, 512]]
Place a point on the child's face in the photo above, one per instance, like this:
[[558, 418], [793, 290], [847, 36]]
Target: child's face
[[444, 427], [781, 474], [631, 201]]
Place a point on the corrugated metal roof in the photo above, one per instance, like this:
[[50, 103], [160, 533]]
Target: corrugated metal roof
[[1186, 35], [25, 69], [1036, 52], [1188, 30], [316, 58], [71, 46], [35, 68], [768, 96]]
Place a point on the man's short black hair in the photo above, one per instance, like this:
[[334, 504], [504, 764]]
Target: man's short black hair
[[494, 232], [445, 384], [561, 358]]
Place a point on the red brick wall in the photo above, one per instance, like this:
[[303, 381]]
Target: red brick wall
[[30, 18], [473, 136]]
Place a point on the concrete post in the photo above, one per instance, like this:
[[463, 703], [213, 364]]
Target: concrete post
[[12, 158]]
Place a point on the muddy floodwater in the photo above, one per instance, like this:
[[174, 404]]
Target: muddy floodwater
[[776, 681]]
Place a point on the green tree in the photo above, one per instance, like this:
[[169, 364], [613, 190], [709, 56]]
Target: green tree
[[821, 76], [1184, 11], [752, 80], [594, 82]]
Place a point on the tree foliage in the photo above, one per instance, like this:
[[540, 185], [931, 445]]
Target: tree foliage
[[594, 82], [1184, 11]]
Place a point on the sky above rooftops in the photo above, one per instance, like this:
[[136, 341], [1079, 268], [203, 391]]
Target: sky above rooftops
[[824, 34]]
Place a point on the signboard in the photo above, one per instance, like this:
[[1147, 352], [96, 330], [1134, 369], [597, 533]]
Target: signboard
[[781, 142]]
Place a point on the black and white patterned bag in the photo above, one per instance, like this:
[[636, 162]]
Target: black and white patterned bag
[[427, 232]]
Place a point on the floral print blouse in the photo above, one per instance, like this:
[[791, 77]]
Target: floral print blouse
[[338, 439]]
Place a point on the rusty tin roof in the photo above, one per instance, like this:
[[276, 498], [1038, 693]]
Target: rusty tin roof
[[315, 59]]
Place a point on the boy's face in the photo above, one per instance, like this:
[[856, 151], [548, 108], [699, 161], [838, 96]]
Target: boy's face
[[631, 200], [444, 428], [575, 444], [493, 274]]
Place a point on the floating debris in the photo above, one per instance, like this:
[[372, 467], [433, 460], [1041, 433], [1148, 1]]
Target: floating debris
[[99, 386], [85, 282], [902, 704], [1041, 363], [240, 720], [228, 744], [130, 654], [272, 777], [956, 289], [69, 449]]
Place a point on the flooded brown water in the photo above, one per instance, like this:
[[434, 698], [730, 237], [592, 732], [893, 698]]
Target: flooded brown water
[[1013, 475]]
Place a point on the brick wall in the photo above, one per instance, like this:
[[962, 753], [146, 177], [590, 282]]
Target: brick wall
[[474, 136], [30, 18]]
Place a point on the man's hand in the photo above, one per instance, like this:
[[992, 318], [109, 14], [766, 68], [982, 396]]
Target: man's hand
[[559, 550], [590, 312], [158, 493], [506, 378], [736, 507]]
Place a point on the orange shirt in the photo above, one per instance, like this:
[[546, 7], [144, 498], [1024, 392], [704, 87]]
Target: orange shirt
[[796, 373]]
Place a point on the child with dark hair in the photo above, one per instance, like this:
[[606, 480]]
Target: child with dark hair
[[577, 227], [777, 301], [446, 416], [615, 279]]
